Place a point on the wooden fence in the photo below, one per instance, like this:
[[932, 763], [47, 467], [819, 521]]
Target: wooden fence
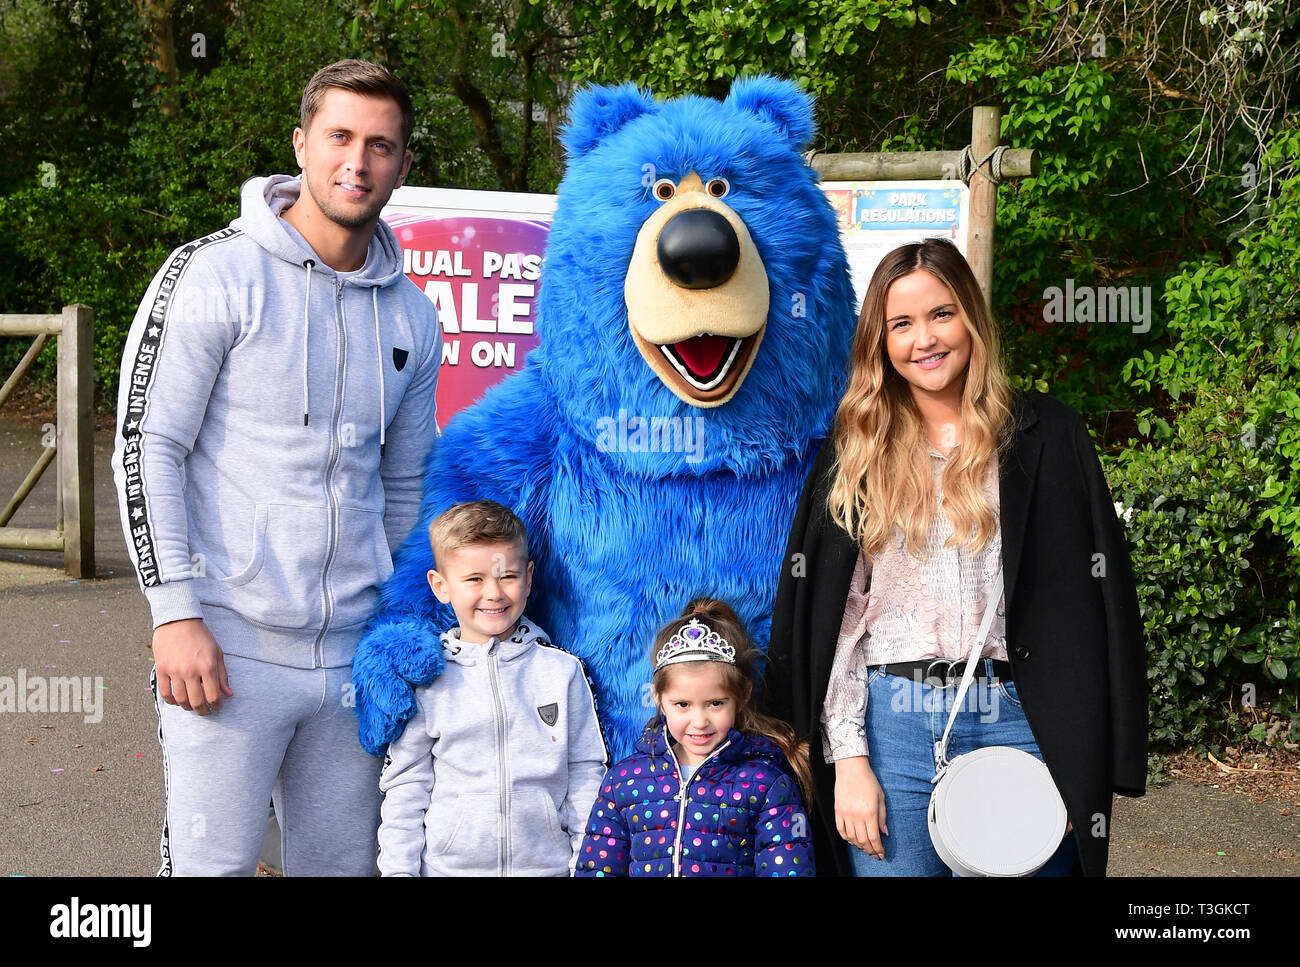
[[72, 442]]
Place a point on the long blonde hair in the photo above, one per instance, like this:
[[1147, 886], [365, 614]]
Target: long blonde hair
[[883, 478]]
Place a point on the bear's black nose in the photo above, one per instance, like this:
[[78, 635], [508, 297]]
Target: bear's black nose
[[698, 249]]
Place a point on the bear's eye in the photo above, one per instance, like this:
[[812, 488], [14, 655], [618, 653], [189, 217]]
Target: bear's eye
[[663, 189], [718, 187]]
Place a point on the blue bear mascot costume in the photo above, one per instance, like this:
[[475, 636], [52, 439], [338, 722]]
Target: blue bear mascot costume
[[695, 316]]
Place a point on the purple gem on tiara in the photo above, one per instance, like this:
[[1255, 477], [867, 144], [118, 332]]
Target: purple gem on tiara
[[693, 633]]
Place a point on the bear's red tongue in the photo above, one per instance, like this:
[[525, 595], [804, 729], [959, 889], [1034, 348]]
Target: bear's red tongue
[[702, 354]]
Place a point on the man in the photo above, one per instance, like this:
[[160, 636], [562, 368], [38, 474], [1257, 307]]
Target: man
[[276, 404]]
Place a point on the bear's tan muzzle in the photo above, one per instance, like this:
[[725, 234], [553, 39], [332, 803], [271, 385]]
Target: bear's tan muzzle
[[698, 331]]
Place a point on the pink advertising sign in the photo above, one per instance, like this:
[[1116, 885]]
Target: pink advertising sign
[[477, 255]]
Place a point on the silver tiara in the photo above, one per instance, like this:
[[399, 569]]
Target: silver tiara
[[695, 642]]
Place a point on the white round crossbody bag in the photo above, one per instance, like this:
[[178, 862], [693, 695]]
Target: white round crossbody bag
[[994, 811]]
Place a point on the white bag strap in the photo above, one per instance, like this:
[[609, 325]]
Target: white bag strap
[[941, 747]]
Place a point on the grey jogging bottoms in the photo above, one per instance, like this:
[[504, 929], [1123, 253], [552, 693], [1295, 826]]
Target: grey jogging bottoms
[[288, 735]]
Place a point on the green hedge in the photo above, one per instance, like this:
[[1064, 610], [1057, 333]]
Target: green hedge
[[1209, 491]]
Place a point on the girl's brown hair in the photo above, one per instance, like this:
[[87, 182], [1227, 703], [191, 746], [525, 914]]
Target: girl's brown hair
[[738, 680], [883, 477]]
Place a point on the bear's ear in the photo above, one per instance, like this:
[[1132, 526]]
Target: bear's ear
[[781, 103], [597, 112]]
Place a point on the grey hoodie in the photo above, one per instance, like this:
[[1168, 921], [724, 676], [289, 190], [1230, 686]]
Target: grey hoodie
[[497, 771], [273, 419]]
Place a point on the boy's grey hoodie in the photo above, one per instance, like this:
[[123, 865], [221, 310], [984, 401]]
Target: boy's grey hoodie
[[273, 419], [497, 771]]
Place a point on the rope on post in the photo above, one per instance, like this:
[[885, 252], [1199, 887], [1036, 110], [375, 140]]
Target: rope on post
[[968, 167]]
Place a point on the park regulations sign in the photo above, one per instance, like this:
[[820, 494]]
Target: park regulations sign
[[875, 217], [477, 255]]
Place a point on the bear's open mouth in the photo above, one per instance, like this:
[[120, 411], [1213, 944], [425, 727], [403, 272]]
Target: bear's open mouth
[[706, 368], [703, 361]]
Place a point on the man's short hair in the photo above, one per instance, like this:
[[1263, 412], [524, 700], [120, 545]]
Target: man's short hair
[[359, 77], [473, 523]]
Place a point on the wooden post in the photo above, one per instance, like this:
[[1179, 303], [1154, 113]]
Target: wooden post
[[985, 133], [76, 442], [926, 165], [914, 165]]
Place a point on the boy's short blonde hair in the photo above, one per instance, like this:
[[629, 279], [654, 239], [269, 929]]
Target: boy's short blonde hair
[[475, 522]]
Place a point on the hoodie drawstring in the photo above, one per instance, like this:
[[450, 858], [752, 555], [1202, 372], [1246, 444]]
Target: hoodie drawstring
[[306, 348], [379, 351]]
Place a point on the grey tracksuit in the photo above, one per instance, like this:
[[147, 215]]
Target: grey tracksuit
[[258, 387], [274, 417], [497, 771]]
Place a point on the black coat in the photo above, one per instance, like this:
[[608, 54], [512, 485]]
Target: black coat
[[1074, 640]]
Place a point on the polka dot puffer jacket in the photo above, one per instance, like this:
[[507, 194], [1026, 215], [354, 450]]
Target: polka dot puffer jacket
[[740, 815]]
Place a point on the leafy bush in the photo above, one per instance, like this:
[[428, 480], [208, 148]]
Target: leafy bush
[[1092, 214], [1209, 492], [82, 242]]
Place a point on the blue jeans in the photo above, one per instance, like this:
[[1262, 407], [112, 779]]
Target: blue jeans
[[905, 718]]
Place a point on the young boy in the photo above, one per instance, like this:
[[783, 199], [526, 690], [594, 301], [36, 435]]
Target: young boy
[[498, 769]]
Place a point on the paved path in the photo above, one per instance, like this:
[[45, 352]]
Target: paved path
[[85, 797]]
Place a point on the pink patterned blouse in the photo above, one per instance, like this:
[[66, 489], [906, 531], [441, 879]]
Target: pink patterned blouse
[[901, 608]]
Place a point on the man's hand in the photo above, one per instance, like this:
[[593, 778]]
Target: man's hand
[[859, 806], [189, 666]]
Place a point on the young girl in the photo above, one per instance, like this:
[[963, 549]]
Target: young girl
[[707, 792], [936, 475]]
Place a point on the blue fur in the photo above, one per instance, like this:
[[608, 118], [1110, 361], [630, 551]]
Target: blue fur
[[782, 105], [596, 112], [622, 540]]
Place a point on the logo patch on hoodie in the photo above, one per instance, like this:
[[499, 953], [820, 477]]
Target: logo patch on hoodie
[[399, 358], [550, 713]]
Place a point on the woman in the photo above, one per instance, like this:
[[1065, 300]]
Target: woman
[[935, 475]]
